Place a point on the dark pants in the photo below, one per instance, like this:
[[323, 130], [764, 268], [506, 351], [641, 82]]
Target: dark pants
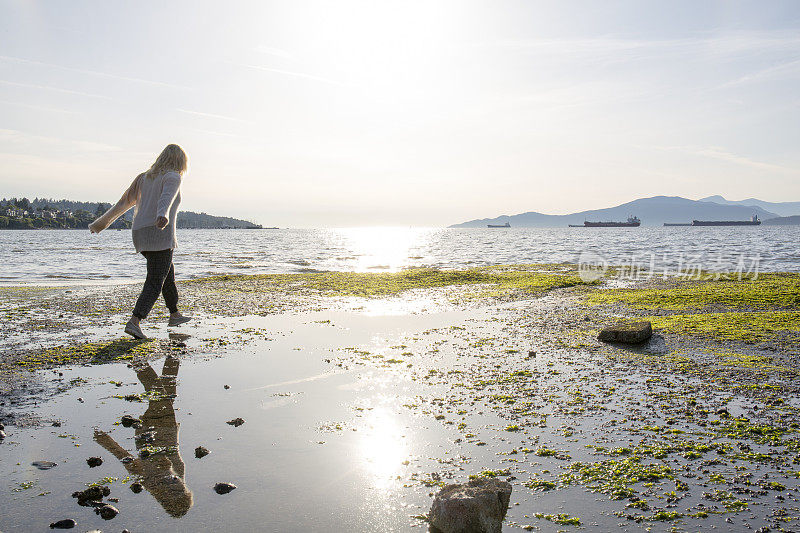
[[160, 280]]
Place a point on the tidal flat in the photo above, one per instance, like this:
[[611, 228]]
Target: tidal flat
[[361, 394]]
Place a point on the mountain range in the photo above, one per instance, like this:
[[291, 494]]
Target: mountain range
[[654, 211], [784, 209]]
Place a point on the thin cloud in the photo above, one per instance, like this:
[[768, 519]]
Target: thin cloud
[[92, 72], [21, 137], [38, 107], [587, 94], [212, 115], [272, 51], [785, 70], [54, 89], [296, 74], [725, 44], [715, 152], [217, 133], [719, 153]]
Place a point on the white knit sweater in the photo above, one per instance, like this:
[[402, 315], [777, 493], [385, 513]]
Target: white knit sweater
[[154, 197]]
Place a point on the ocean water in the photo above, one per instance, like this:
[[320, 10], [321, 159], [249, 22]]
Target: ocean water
[[63, 257]]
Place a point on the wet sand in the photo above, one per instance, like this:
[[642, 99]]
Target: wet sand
[[357, 409]]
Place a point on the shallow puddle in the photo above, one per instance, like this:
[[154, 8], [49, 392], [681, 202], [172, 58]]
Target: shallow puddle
[[352, 419], [322, 448]]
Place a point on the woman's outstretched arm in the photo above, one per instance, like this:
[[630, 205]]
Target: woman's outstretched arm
[[127, 201]]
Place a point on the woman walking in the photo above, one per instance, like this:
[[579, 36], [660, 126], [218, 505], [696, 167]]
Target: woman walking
[[155, 194]]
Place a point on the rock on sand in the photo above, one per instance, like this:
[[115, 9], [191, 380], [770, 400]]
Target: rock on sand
[[478, 506], [628, 333]]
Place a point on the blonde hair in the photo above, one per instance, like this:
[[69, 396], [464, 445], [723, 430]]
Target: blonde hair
[[172, 158]]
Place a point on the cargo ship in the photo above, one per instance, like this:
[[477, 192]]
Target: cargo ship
[[673, 224], [506, 225], [752, 222], [633, 222]]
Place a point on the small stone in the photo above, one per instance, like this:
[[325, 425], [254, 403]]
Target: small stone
[[201, 451], [127, 420], [224, 488], [723, 412], [2, 427], [69, 523], [107, 512], [226, 387], [127, 460], [136, 487], [56, 424], [2, 434], [144, 454], [531, 353], [92, 494], [236, 422], [627, 333], [94, 461], [44, 465], [478, 506]]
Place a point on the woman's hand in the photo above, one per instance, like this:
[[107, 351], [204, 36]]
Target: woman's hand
[[161, 222]]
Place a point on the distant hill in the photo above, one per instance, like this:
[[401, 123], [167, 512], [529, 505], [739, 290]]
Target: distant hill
[[653, 211], [783, 209], [191, 220], [793, 220], [84, 212]]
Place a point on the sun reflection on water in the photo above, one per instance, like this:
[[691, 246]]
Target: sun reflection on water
[[383, 448], [384, 248]]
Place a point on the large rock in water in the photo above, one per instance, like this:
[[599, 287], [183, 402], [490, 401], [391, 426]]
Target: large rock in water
[[628, 333], [475, 507]]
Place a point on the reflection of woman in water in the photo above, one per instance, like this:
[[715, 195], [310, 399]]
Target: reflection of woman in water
[[161, 473]]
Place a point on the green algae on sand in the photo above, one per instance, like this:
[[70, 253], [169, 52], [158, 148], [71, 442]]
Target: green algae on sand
[[93, 352], [767, 291], [748, 327], [526, 278], [751, 310]]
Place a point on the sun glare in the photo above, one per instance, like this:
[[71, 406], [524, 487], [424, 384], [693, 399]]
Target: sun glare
[[382, 249], [384, 447]]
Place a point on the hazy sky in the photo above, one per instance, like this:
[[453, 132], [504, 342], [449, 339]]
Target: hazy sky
[[346, 113]]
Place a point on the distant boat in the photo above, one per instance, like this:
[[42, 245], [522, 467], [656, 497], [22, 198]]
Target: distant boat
[[506, 225], [633, 222], [752, 222]]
